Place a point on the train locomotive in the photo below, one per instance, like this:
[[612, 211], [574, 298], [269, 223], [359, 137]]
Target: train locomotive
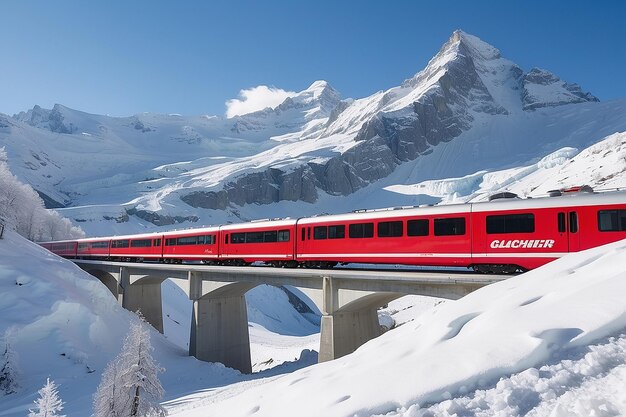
[[504, 235]]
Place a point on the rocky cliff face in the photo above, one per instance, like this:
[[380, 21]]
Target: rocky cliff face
[[466, 78], [52, 120], [544, 89]]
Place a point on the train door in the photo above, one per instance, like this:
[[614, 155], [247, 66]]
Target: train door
[[573, 238], [568, 227], [225, 250]]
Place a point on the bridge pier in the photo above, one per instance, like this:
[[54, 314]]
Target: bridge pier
[[344, 332], [219, 332], [349, 318], [144, 296], [219, 323]]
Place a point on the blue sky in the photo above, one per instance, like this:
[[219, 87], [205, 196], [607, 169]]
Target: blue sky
[[190, 57]]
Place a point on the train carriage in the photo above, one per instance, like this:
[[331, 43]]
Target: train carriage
[[147, 246], [93, 248], [63, 248], [431, 236], [527, 233], [268, 241], [191, 245]]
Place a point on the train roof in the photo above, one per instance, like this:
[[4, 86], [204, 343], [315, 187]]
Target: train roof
[[208, 229], [260, 224], [580, 199], [389, 213], [564, 200], [92, 239]]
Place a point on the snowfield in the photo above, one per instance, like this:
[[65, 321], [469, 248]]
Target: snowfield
[[548, 342]]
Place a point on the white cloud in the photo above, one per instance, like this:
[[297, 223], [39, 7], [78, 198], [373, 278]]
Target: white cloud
[[256, 98]]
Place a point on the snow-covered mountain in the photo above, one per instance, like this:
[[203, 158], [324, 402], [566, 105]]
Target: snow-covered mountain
[[470, 112]]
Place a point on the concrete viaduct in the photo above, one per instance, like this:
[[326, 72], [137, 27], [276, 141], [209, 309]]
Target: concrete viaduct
[[348, 300]]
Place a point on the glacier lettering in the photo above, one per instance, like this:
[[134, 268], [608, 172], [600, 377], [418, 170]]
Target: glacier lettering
[[522, 244]]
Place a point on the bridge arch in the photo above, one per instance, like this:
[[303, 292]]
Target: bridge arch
[[109, 280]]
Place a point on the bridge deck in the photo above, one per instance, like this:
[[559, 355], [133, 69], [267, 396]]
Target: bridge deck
[[442, 277]]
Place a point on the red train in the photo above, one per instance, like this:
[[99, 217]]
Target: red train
[[504, 236]]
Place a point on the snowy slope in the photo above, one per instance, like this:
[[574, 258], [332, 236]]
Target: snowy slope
[[550, 340], [64, 324]]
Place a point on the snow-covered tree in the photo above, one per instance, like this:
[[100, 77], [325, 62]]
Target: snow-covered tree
[[22, 210], [130, 386], [106, 401], [8, 365], [48, 404]]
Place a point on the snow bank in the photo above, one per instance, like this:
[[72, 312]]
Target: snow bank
[[65, 325], [531, 320]]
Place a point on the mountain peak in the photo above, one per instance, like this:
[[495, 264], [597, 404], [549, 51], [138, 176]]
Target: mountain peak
[[472, 44], [318, 85]]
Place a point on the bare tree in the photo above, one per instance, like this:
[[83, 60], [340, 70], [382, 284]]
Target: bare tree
[[48, 404]]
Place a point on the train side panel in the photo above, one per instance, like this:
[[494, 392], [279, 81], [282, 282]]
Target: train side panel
[[528, 238], [199, 245], [271, 242], [599, 225], [136, 247], [93, 248], [63, 248], [433, 239]]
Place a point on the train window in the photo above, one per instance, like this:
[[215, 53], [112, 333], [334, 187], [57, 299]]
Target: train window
[[100, 245], [283, 235], [254, 237], [336, 232], [303, 233], [320, 232], [140, 243], [169, 242], [225, 238], [120, 243], [237, 238], [450, 227], [206, 240], [83, 246], [270, 236], [390, 229], [573, 222], [417, 227], [561, 222], [361, 230], [612, 220], [511, 223], [189, 240], [156, 242], [308, 233]]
